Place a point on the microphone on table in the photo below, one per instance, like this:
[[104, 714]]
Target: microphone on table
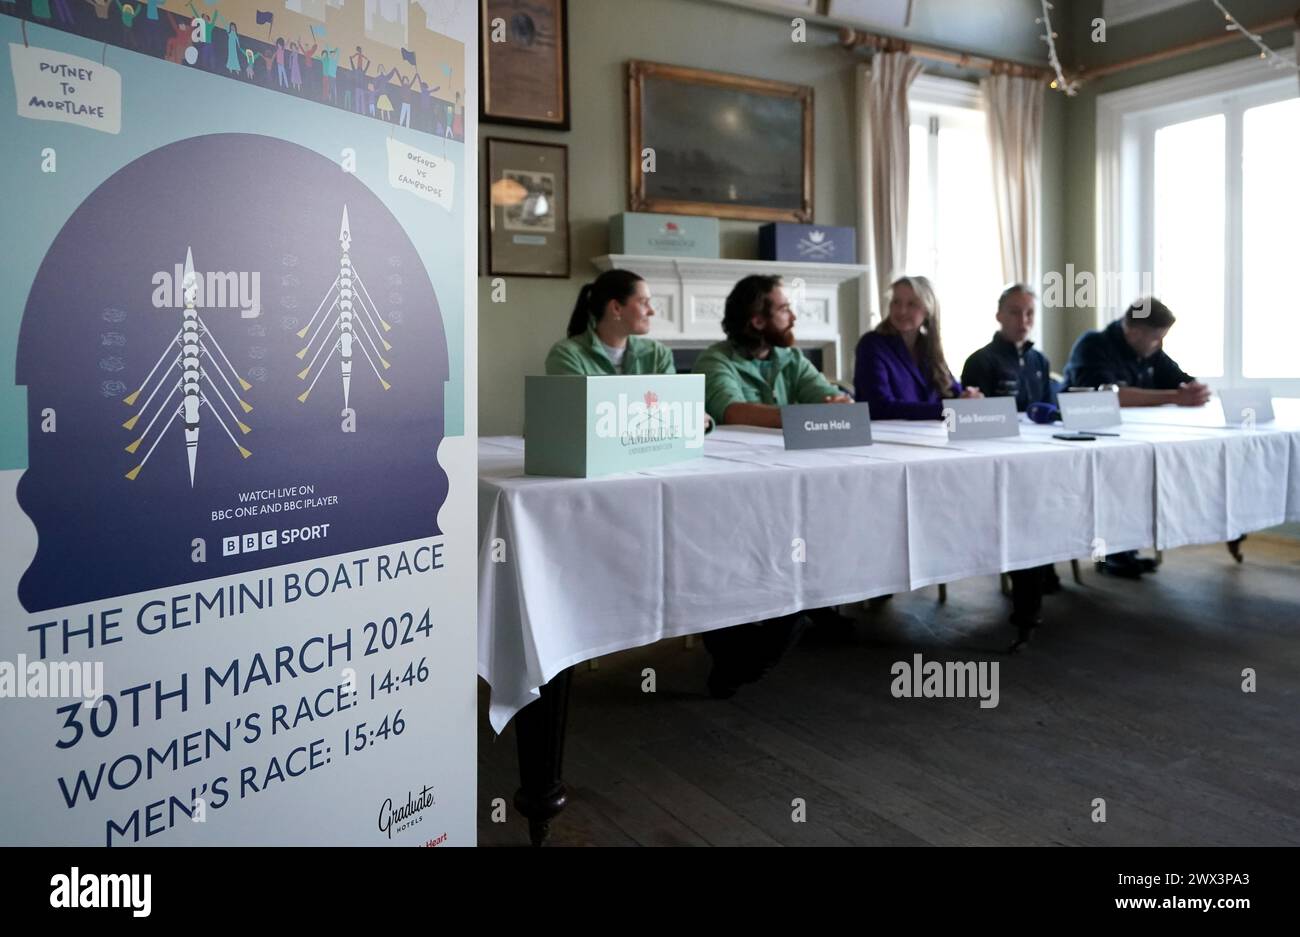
[[1043, 412]]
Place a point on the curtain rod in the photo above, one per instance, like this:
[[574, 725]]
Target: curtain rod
[[851, 39], [1196, 45]]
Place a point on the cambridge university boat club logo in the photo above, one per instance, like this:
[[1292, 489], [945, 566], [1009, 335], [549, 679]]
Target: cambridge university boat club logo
[[156, 402]]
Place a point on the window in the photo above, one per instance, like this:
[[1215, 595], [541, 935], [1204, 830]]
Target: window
[[1188, 236], [1270, 227], [952, 227], [1198, 202]]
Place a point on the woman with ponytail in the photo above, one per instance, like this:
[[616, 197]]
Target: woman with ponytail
[[901, 371], [605, 331]]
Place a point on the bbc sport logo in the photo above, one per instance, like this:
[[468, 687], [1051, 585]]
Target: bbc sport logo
[[250, 543], [236, 544]]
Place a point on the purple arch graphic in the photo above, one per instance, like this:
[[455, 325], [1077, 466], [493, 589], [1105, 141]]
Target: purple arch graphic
[[91, 333]]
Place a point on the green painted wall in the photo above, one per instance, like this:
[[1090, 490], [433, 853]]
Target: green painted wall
[[603, 35]]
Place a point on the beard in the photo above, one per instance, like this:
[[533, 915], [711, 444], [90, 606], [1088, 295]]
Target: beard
[[778, 338]]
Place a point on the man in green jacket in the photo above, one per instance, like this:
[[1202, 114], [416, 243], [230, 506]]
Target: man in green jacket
[[756, 371], [747, 379]]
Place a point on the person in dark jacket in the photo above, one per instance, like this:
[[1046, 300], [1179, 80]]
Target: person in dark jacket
[[1010, 365], [1130, 353]]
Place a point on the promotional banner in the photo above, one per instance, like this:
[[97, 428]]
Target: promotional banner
[[388, 60], [237, 570]]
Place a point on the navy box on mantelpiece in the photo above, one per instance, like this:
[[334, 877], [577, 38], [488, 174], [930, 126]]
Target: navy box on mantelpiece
[[807, 243]]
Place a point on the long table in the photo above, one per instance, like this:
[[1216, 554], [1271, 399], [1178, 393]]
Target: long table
[[572, 569]]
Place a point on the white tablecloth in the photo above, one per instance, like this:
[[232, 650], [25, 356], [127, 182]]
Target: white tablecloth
[[571, 569]]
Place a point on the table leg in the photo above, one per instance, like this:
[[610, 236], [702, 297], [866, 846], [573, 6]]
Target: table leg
[[539, 730]]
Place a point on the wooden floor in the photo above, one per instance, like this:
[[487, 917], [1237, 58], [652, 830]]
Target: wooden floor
[[1131, 692]]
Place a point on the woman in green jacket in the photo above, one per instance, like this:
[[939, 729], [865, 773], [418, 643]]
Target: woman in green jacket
[[606, 328]]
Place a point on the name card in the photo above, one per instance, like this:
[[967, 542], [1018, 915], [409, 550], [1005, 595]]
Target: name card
[[1090, 409], [826, 425], [981, 418], [580, 427], [1247, 406]]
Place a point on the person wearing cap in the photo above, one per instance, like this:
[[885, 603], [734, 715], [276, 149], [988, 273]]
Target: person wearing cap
[[606, 333]]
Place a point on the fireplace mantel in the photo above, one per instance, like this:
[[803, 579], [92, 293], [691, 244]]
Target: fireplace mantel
[[688, 295]]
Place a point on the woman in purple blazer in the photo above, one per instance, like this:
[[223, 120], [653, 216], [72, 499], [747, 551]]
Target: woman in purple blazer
[[901, 371]]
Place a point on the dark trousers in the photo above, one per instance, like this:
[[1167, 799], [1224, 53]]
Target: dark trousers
[[1027, 593], [746, 652]]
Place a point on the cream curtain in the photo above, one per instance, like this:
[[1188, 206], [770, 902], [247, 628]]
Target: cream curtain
[[1013, 108], [883, 160]]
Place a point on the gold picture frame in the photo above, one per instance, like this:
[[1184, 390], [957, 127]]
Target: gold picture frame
[[711, 143]]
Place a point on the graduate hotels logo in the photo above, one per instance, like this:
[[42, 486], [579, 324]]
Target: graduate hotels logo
[[648, 420], [399, 817]]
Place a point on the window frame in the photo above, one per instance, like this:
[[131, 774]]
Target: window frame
[[1126, 124], [933, 97]]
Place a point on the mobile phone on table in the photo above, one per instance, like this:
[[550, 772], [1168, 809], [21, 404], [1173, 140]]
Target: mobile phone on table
[[1074, 437]]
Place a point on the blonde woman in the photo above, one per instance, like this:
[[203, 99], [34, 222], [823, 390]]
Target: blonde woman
[[901, 371]]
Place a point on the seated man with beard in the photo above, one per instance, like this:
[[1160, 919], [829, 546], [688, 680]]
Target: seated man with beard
[[756, 371], [747, 379]]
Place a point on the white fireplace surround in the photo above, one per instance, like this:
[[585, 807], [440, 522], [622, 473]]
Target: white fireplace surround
[[688, 295]]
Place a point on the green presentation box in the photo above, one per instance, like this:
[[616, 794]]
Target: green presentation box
[[666, 235], [581, 427]]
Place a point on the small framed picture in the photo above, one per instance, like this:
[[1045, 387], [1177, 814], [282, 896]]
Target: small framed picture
[[528, 208], [524, 63]]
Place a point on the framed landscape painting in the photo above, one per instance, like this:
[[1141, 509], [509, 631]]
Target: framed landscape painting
[[708, 143]]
